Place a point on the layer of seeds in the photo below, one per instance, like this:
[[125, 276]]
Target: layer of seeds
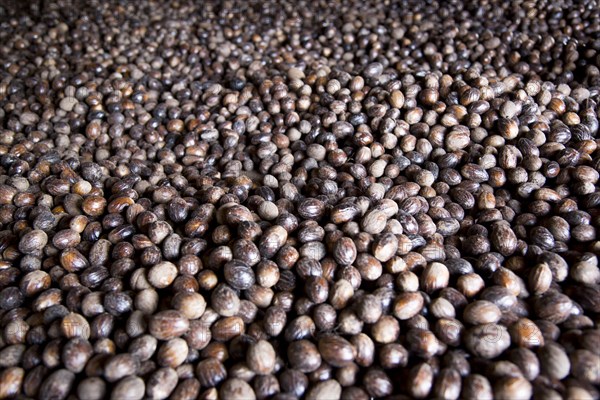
[[299, 199]]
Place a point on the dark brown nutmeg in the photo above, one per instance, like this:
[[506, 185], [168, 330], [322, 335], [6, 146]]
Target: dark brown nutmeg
[[336, 350], [272, 240], [261, 357], [166, 325], [72, 260], [311, 209], [33, 241], [304, 356], [7, 193], [238, 274], [503, 238], [344, 251], [57, 385], [210, 372]]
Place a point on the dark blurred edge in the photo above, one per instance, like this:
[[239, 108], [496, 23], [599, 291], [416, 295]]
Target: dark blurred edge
[[21, 8], [36, 9]]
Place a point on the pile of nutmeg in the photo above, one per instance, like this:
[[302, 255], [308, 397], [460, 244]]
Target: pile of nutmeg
[[302, 199]]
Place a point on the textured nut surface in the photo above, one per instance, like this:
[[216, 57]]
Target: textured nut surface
[[299, 199]]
